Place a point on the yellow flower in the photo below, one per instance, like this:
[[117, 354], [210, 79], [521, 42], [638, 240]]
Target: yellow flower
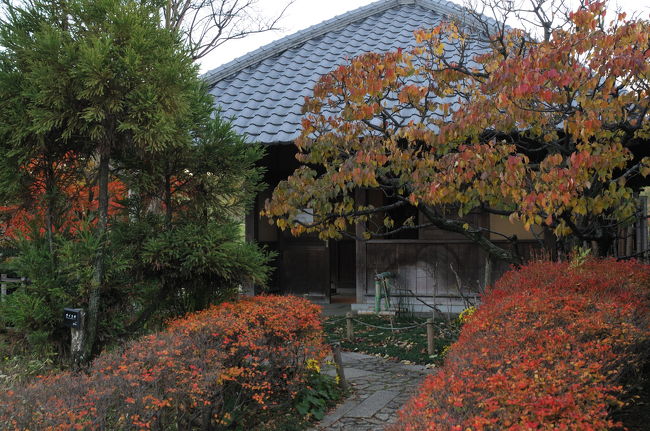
[[466, 314], [313, 365]]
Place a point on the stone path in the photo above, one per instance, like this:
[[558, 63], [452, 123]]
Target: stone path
[[379, 388]]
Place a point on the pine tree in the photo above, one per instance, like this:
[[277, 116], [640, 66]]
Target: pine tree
[[97, 77]]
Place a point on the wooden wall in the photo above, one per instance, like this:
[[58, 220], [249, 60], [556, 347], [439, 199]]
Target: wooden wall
[[424, 268]]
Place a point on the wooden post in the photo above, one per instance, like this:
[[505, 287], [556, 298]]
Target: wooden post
[[430, 350], [3, 288], [377, 295], [336, 353], [348, 322], [488, 272], [77, 340]]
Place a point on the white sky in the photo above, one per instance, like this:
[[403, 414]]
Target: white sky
[[305, 13]]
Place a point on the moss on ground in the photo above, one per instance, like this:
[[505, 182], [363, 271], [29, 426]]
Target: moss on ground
[[409, 344]]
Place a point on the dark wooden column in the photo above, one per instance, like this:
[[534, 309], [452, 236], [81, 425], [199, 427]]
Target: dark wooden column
[[250, 234], [360, 228]]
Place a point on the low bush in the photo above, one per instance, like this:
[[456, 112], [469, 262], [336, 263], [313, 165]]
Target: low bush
[[227, 367], [553, 346]]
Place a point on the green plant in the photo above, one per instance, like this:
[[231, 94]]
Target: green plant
[[126, 135], [19, 369], [579, 256], [320, 392]]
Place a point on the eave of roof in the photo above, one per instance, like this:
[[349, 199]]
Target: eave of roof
[[263, 92]]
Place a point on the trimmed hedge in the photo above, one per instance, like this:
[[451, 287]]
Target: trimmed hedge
[[226, 367], [551, 347]]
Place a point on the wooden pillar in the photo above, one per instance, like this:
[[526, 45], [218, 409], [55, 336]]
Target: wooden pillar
[[644, 226], [251, 235], [251, 221], [629, 241], [430, 337], [360, 228], [335, 276], [641, 228]]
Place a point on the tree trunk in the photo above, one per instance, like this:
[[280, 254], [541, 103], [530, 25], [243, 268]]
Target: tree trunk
[[550, 245], [487, 275], [604, 244], [153, 306], [49, 202], [476, 236], [100, 258], [168, 202]]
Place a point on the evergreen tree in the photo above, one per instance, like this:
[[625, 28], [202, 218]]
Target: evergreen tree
[[101, 89]]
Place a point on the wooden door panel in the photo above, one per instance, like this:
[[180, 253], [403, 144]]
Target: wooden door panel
[[305, 270]]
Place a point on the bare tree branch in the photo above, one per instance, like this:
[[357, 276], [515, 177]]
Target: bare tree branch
[[208, 24]]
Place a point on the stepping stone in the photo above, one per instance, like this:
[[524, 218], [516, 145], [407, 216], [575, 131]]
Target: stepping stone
[[353, 373], [372, 404], [338, 413], [355, 357], [350, 373]]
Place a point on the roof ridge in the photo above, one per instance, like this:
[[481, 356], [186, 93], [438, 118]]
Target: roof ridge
[[444, 7]]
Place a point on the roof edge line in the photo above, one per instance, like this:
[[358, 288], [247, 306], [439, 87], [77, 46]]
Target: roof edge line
[[340, 21]]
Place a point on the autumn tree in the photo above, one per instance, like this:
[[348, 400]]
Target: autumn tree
[[549, 131]]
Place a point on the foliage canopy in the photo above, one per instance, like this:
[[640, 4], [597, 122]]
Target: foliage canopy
[[552, 133]]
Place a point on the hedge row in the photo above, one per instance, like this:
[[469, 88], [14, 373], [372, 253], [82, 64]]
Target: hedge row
[[222, 368], [551, 347]]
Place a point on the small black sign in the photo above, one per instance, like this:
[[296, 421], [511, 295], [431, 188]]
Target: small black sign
[[72, 317]]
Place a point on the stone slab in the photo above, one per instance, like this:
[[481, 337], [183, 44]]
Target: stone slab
[[355, 373], [372, 404], [338, 413], [352, 357], [350, 373]]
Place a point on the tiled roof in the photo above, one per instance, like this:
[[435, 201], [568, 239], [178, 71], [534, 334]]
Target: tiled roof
[[263, 91]]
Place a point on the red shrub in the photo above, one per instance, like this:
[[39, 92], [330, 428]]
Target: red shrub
[[205, 371], [548, 349]]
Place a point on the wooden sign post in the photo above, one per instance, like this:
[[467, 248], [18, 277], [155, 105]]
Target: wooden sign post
[[75, 318], [3, 287]]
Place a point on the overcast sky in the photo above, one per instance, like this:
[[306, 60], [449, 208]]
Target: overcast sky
[[305, 13]]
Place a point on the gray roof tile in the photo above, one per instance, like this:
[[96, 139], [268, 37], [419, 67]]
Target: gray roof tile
[[263, 91]]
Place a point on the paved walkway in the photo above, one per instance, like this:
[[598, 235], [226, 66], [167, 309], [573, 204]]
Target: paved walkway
[[379, 388]]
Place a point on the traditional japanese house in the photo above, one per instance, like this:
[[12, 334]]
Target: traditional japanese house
[[263, 92]]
